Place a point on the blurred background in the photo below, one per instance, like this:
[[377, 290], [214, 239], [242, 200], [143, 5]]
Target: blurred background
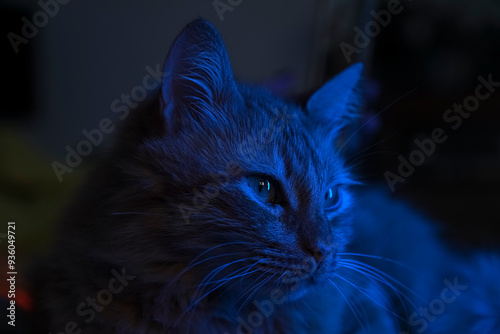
[[65, 63]]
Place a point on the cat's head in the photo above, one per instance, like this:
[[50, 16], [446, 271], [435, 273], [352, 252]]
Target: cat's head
[[228, 184]]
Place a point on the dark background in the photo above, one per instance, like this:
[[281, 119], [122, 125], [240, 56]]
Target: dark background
[[426, 59]]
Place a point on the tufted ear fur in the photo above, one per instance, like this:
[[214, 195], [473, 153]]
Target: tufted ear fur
[[198, 84], [334, 104]]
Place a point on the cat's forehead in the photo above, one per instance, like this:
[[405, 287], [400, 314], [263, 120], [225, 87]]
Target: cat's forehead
[[294, 139], [274, 112]]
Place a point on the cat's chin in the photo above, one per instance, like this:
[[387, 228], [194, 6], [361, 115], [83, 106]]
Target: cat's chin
[[295, 294], [292, 288], [290, 291]]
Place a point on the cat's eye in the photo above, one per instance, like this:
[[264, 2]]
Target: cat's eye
[[332, 198], [267, 189]]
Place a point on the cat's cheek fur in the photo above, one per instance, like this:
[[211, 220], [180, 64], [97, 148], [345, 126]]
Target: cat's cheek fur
[[274, 209]]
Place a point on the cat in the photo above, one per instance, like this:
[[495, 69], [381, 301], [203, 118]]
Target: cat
[[223, 209]]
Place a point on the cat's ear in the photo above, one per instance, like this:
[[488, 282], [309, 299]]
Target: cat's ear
[[198, 83], [334, 104]]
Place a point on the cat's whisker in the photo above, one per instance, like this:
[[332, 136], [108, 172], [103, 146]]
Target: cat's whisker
[[364, 292], [224, 281], [379, 273], [254, 290], [222, 245], [349, 304], [280, 280], [374, 273], [307, 305], [248, 273], [399, 263], [192, 264], [399, 294], [212, 274], [251, 287], [368, 148], [244, 269], [376, 115], [237, 273], [174, 279], [378, 288]]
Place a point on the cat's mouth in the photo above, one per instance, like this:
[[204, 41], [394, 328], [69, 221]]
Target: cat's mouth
[[292, 278], [264, 274]]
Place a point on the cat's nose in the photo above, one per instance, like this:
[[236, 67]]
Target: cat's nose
[[318, 252]]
